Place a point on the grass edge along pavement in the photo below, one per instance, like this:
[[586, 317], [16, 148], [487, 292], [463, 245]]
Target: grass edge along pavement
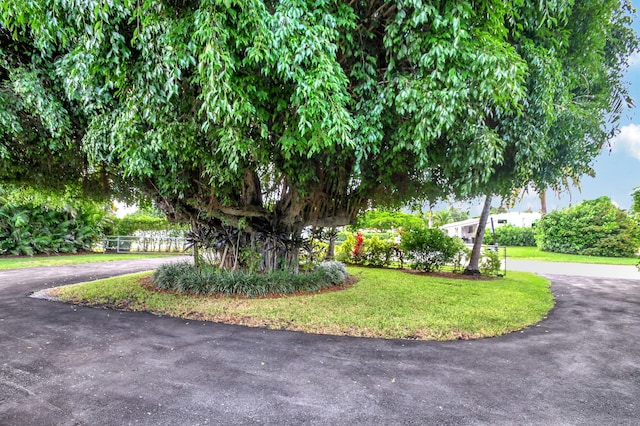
[[20, 262], [535, 254], [383, 303]]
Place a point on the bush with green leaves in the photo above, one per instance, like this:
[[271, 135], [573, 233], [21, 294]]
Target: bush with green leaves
[[384, 220], [429, 249], [31, 229], [509, 235], [461, 257], [184, 277], [345, 249], [490, 264], [367, 249], [378, 252], [592, 228]]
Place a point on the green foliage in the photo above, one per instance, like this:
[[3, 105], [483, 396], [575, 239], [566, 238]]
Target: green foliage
[[372, 250], [387, 220], [345, 249], [429, 249], [491, 264], [313, 252], [534, 253], [29, 229], [635, 207], [594, 228], [509, 235], [378, 252], [461, 256], [187, 278], [290, 113]]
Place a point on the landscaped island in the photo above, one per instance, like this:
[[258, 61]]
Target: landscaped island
[[383, 303]]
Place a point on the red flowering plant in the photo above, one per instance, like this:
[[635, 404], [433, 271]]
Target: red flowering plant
[[358, 248]]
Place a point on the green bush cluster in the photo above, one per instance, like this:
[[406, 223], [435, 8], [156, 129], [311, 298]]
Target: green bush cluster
[[374, 250], [30, 229], [384, 220], [430, 248], [509, 235], [592, 228], [187, 278], [490, 264]]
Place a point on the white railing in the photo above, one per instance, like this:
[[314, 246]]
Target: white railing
[[143, 244]]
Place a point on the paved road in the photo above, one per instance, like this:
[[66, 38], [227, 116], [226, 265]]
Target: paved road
[[574, 269], [68, 365]]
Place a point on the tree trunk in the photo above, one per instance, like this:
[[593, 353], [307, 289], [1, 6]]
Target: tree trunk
[[543, 201], [474, 262], [196, 254], [332, 244]]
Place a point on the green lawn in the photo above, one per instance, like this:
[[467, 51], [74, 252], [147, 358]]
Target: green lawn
[[383, 303], [533, 253], [12, 262]]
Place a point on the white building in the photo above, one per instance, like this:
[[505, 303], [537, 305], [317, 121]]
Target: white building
[[466, 229]]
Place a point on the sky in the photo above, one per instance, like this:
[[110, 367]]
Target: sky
[[617, 167]]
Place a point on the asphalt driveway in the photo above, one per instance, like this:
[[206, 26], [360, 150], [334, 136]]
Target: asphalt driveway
[[68, 365]]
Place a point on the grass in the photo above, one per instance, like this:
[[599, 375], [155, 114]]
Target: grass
[[12, 262], [383, 303], [533, 253]]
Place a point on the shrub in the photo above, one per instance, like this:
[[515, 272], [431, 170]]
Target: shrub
[[357, 253], [334, 272], [461, 258], [429, 249], [367, 249], [594, 227], [490, 264], [30, 229], [509, 235], [344, 250], [384, 220], [187, 278], [377, 252]]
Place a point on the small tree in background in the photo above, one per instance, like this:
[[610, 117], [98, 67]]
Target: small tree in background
[[635, 207]]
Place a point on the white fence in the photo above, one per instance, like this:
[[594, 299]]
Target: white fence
[[143, 244]]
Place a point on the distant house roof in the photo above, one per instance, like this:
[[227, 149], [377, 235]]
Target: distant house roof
[[514, 218], [467, 222]]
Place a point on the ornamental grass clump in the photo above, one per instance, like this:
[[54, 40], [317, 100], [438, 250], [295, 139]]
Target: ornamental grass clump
[[188, 278], [333, 271]]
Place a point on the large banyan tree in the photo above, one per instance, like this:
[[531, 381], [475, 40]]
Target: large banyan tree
[[254, 119]]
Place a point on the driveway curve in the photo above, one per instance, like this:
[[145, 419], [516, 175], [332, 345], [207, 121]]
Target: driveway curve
[[69, 365]]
